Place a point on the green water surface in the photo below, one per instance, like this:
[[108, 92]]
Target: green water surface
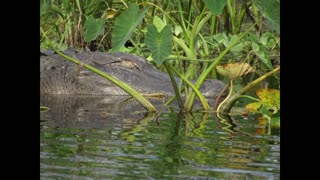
[[94, 144]]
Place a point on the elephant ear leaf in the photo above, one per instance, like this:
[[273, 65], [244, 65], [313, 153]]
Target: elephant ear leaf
[[94, 28], [215, 6], [271, 11], [159, 43], [125, 25]]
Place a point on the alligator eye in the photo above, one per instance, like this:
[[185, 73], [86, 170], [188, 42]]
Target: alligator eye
[[129, 64]]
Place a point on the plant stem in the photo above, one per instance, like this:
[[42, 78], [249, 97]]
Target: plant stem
[[184, 28], [190, 98], [205, 104], [174, 84], [183, 46], [213, 25], [235, 97], [232, 13]]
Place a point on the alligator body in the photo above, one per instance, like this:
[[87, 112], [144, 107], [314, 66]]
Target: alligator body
[[59, 76]]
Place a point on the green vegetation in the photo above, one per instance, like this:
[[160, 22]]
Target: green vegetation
[[186, 38]]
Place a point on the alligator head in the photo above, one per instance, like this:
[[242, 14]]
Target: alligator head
[[59, 76]]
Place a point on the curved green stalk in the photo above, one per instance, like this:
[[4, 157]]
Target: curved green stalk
[[232, 13], [79, 7], [230, 101], [117, 82], [190, 98], [195, 30], [203, 101], [250, 97], [183, 46], [174, 84], [240, 17], [205, 45], [184, 28], [198, 24], [202, 23], [227, 98]]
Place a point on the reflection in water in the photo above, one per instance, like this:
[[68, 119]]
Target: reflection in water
[[114, 138]]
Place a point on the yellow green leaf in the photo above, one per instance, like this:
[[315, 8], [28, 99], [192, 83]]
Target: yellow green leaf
[[269, 98], [110, 13], [253, 107], [234, 70]]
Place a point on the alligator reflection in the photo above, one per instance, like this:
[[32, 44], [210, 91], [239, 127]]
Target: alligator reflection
[[93, 111], [115, 138]]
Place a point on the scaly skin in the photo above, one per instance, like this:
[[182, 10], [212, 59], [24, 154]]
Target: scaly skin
[[59, 76]]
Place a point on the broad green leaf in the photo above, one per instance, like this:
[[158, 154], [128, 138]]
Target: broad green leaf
[[262, 53], [125, 25], [159, 43], [44, 6], [267, 39], [219, 38], [158, 23], [94, 28], [237, 49], [215, 6], [271, 11], [253, 38]]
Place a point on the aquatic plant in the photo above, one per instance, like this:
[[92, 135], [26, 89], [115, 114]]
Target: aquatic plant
[[187, 38]]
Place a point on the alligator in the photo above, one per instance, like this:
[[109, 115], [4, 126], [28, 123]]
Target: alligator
[[60, 76]]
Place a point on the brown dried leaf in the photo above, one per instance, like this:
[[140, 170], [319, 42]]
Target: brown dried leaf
[[234, 70]]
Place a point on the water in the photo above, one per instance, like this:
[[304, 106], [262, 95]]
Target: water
[[114, 138]]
